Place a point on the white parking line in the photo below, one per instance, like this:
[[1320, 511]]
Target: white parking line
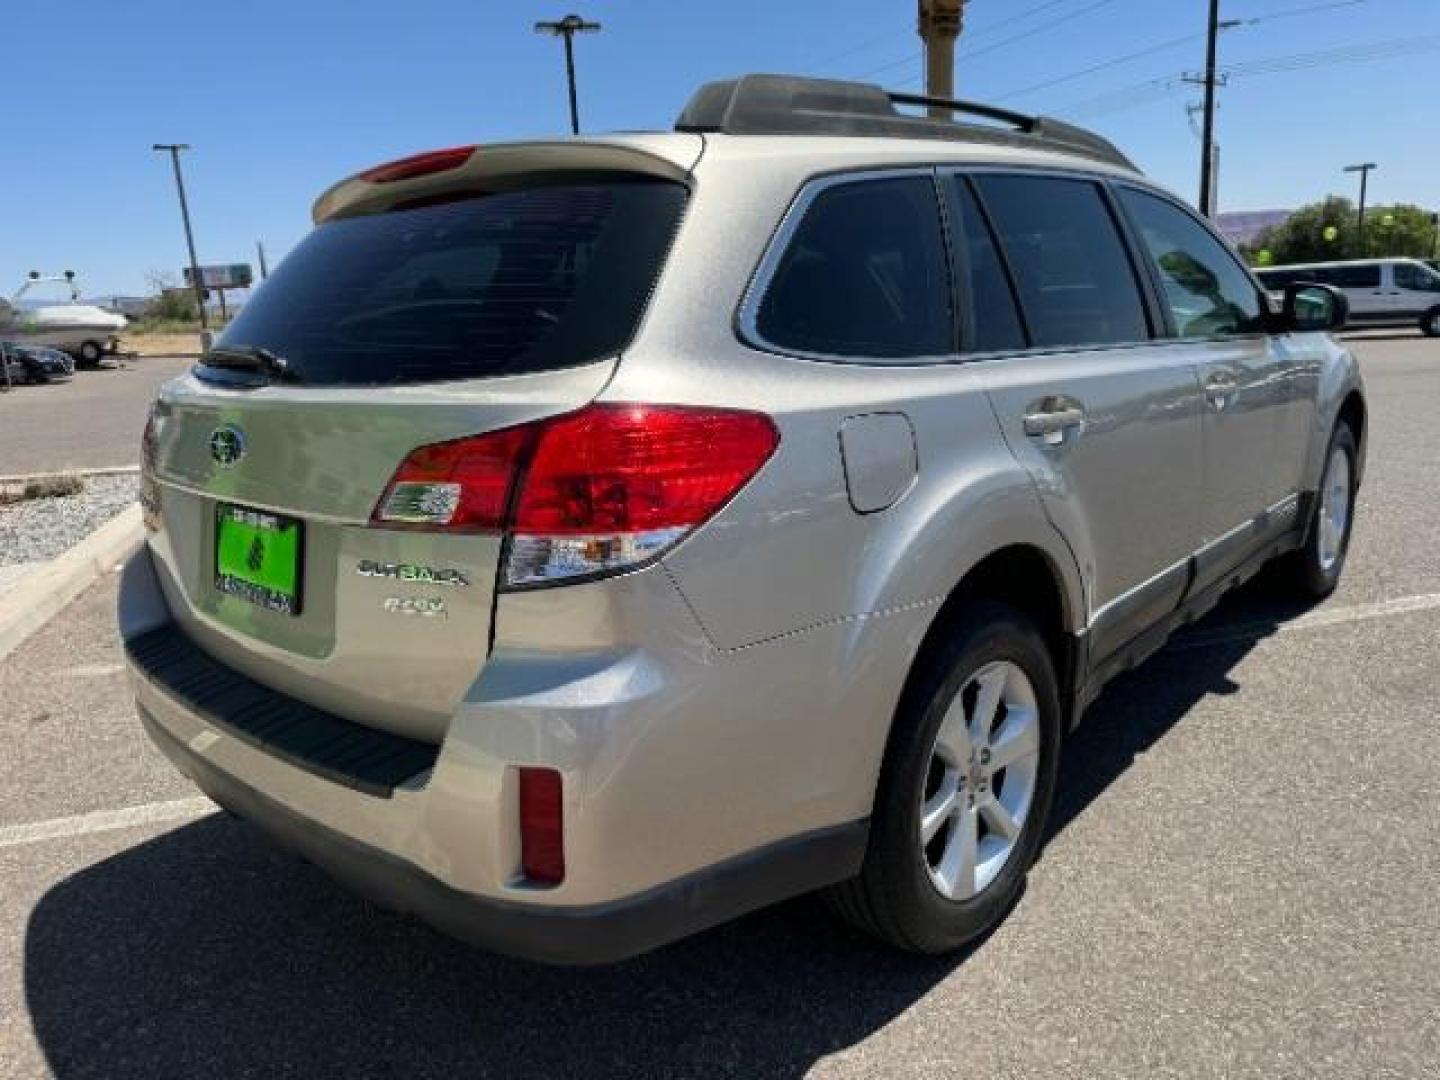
[[104, 821], [1337, 616]]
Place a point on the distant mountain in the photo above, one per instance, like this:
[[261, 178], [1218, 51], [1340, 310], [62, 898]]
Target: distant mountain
[[1243, 226]]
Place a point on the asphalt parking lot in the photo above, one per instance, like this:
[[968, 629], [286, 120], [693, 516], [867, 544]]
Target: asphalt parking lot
[[92, 421], [1241, 881]]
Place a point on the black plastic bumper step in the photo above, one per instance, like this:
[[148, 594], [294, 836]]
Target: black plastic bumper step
[[340, 750]]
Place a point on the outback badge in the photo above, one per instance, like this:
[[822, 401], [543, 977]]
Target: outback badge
[[426, 575]]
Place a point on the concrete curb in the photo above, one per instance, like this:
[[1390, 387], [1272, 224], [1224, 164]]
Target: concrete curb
[[21, 479], [26, 607]]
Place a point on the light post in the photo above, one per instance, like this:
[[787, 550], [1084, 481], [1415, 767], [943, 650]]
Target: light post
[[567, 28], [1364, 171], [174, 151]]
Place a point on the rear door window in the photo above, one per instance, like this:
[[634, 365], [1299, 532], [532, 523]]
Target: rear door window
[[864, 275], [1076, 281], [1202, 285], [545, 277]]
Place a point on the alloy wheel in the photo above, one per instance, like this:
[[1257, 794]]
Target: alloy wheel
[[980, 782]]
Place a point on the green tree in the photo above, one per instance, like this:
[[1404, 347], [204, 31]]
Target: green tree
[[1329, 230]]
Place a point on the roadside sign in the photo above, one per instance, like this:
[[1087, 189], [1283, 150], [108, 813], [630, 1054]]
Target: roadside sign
[[230, 276]]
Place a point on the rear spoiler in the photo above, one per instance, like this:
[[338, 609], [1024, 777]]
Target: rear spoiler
[[490, 168]]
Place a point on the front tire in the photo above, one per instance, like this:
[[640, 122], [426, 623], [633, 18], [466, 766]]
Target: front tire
[[91, 353], [965, 788]]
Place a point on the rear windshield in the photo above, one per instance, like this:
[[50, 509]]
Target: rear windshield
[[520, 281]]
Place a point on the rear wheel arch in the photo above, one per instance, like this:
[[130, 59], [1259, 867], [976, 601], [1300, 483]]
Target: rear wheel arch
[[1026, 578]]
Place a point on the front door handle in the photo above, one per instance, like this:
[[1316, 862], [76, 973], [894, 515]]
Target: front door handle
[[1051, 418], [1220, 390]]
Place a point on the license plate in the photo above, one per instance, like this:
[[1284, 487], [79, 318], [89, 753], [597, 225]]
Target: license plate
[[257, 557]]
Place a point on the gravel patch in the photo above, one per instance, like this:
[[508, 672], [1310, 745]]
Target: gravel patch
[[44, 528]]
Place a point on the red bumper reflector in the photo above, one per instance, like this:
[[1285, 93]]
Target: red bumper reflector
[[542, 836]]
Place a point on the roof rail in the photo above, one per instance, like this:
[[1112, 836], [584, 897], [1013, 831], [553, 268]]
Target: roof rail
[[793, 105]]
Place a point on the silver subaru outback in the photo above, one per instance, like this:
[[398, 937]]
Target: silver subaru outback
[[579, 543]]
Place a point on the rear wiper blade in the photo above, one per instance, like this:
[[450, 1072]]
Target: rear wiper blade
[[250, 358]]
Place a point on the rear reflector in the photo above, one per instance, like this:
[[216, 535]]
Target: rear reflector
[[432, 161], [542, 833], [587, 493]]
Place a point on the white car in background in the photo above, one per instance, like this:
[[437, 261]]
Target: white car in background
[[1381, 292]]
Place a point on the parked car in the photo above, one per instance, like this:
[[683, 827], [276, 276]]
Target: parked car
[[1381, 292], [579, 543], [33, 364]]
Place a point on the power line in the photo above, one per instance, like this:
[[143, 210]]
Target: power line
[[1174, 42], [1149, 90], [1161, 47], [1023, 35]]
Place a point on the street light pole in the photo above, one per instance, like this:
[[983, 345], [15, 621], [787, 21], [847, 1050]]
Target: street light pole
[[1364, 171], [567, 28], [174, 150]]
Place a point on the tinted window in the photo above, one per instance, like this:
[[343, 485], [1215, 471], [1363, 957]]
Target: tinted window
[[1416, 277], [986, 298], [1075, 279], [1207, 292], [1278, 279], [864, 275], [1353, 277], [519, 281]]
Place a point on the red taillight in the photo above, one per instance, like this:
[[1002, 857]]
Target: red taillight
[[588, 492], [432, 161], [632, 468], [542, 826]]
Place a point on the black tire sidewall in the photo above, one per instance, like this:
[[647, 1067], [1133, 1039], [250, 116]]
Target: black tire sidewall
[[986, 632], [1430, 323], [1322, 582]]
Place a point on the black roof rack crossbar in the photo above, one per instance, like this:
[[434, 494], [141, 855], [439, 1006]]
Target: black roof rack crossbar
[[791, 105]]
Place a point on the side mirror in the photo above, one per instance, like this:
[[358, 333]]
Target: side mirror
[[1312, 307]]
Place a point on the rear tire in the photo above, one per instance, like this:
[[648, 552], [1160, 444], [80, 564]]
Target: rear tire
[[1314, 570], [90, 353], [1430, 323], [972, 762]]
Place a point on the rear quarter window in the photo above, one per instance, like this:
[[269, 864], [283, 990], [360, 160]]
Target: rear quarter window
[[864, 275], [545, 277]]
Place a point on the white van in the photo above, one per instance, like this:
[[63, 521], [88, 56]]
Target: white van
[[1382, 292]]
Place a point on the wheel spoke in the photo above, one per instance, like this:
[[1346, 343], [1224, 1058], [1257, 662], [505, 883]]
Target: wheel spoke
[[938, 808], [987, 703], [956, 871], [952, 742], [999, 819], [1017, 739]]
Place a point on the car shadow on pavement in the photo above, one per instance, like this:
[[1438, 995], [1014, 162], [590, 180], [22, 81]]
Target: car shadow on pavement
[[207, 952]]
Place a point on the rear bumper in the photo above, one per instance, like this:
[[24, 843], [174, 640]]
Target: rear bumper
[[589, 934], [674, 816]]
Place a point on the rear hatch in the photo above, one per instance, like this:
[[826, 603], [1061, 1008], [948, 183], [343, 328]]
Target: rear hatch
[[448, 316]]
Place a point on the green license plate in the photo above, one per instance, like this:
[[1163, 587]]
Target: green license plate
[[257, 557]]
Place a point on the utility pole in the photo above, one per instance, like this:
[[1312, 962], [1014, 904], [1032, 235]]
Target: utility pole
[[567, 28], [1364, 171], [939, 23], [174, 151], [260, 251], [1207, 137]]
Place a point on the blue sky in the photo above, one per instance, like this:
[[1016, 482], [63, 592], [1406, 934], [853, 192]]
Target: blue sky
[[282, 97]]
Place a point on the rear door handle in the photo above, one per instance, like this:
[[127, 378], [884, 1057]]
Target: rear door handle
[[1051, 418]]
